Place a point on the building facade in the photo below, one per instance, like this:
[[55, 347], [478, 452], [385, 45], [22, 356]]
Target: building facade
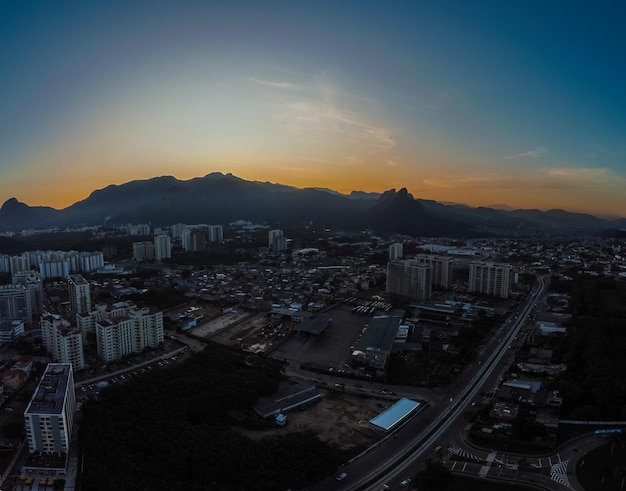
[[440, 268], [489, 278], [62, 340], [162, 247], [79, 295], [122, 335], [50, 414], [409, 279]]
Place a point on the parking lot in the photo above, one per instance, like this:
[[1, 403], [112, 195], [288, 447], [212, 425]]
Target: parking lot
[[331, 349]]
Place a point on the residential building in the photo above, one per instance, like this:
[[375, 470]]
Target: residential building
[[440, 267], [396, 251], [216, 233], [31, 282], [10, 330], [409, 279], [62, 340], [490, 278], [143, 251], [277, 242], [162, 247], [79, 295], [50, 414], [13, 303], [119, 336]]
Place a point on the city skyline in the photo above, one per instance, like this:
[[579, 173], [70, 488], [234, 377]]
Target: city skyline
[[482, 104]]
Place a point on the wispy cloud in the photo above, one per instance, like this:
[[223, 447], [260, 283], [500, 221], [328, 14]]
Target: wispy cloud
[[277, 84], [537, 152], [316, 110]]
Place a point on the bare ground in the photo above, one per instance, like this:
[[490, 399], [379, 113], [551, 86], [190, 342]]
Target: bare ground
[[337, 418]]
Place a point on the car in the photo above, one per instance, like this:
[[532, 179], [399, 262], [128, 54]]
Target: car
[[405, 482], [342, 476]]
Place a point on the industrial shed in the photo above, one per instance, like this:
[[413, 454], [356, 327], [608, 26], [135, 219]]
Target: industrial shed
[[313, 325], [394, 416], [280, 403]]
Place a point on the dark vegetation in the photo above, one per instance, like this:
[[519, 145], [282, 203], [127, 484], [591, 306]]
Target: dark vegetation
[[594, 385], [603, 468], [176, 430]]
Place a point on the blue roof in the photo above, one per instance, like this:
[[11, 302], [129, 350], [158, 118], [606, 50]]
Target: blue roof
[[394, 415]]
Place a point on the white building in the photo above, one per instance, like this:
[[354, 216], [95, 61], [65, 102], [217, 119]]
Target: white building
[[10, 330], [440, 267], [119, 336], [216, 233], [489, 278], [62, 340], [396, 251], [162, 247], [13, 303], [79, 295], [31, 282], [50, 414], [143, 251], [409, 279]]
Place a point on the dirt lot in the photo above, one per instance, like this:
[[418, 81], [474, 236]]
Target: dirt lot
[[336, 418]]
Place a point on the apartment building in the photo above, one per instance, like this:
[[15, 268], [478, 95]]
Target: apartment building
[[162, 247], [440, 268], [50, 414], [79, 294], [490, 278], [132, 333], [409, 279], [63, 340]]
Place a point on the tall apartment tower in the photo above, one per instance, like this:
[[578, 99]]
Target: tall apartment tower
[[80, 295], [490, 278], [13, 303], [440, 267], [271, 235], [50, 413], [119, 336], [63, 340], [409, 279], [216, 233], [162, 247], [31, 282], [396, 251], [143, 251]]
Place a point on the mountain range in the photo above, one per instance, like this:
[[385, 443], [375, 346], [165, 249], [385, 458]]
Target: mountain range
[[223, 198]]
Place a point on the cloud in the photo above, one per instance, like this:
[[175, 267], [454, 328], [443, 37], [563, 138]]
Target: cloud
[[554, 179], [318, 110], [277, 85], [529, 154]]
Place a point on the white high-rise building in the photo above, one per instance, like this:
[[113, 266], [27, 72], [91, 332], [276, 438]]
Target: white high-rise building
[[62, 340], [440, 267], [143, 251], [271, 236], [490, 278], [162, 247], [50, 414], [409, 279], [396, 251], [13, 303], [119, 336], [80, 295], [34, 293], [216, 233]]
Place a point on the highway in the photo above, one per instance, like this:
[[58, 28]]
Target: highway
[[398, 456]]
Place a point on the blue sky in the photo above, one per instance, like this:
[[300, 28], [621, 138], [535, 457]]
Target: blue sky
[[484, 103]]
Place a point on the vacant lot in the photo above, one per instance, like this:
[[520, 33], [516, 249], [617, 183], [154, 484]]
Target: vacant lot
[[336, 418]]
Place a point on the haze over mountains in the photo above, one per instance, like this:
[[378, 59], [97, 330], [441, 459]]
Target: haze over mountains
[[222, 198]]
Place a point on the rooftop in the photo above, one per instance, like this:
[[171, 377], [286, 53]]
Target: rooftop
[[50, 393]]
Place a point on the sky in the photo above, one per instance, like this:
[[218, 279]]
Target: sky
[[517, 103]]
